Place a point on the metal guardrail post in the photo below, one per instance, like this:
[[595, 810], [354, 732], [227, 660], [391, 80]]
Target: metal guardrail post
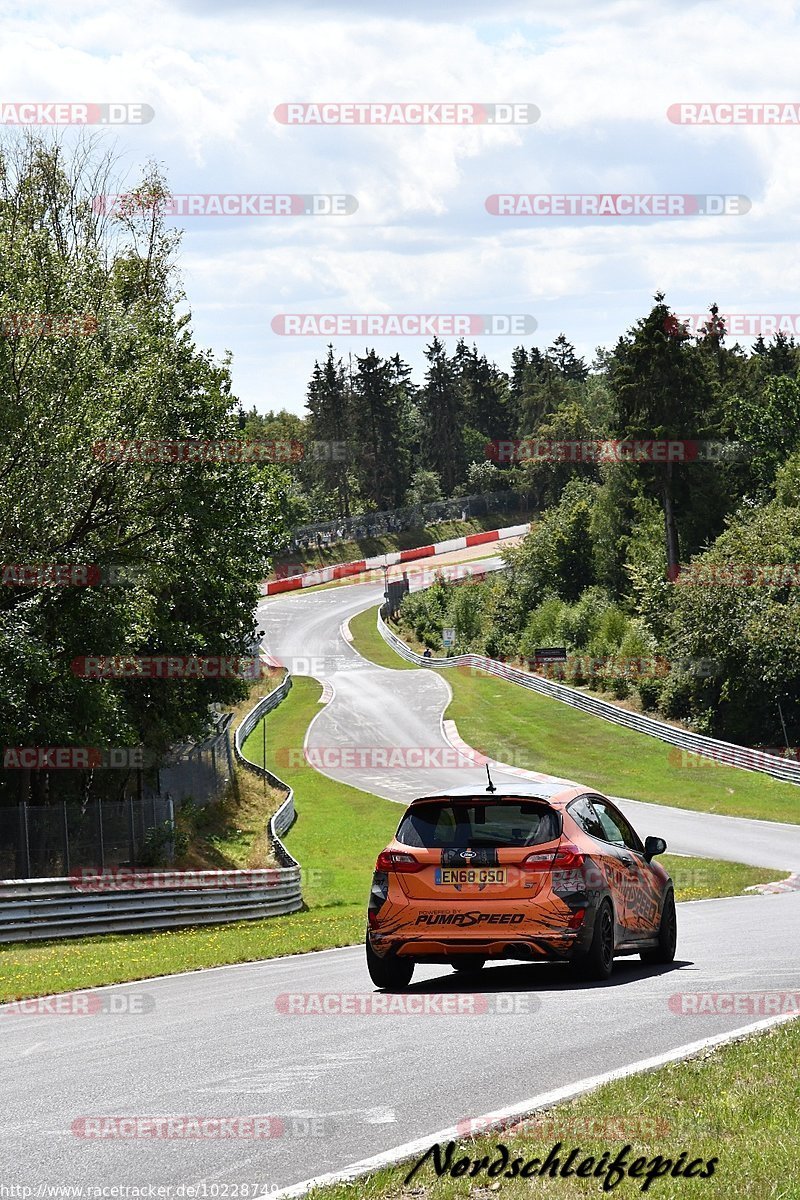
[[100, 847], [65, 832], [131, 831], [24, 839]]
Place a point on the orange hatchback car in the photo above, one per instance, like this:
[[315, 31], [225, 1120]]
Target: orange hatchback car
[[535, 872]]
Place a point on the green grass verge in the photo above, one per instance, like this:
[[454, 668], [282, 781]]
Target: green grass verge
[[409, 539], [520, 727], [339, 830], [337, 836], [737, 1104], [368, 642]]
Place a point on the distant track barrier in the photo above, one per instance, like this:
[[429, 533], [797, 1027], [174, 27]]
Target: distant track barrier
[[160, 898], [345, 570]]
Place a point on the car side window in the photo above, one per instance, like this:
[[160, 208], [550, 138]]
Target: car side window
[[582, 811], [616, 828]]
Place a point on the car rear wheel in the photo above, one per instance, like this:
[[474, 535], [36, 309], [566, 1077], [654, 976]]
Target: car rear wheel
[[467, 962], [598, 961], [390, 973], [664, 952]]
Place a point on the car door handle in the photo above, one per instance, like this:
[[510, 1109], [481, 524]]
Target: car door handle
[[628, 862]]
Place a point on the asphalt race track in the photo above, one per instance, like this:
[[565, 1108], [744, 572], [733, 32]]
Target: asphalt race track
[[346, 1086]]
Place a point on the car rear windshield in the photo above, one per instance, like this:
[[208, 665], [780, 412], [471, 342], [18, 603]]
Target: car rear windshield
[[475, 823]]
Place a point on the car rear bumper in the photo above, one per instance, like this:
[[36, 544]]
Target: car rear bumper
[[551, 947], [549, 927]]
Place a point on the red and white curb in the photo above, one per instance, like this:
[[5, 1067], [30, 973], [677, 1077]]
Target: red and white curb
[[343, 570], [792, 884], [457, 742]]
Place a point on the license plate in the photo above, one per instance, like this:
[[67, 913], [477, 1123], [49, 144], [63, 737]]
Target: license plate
[[482, 875]]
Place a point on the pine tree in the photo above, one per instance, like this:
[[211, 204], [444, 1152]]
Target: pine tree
[[484, 392], [379, 419], [442, 415], [328, 403], [566, 362], [661, 391]]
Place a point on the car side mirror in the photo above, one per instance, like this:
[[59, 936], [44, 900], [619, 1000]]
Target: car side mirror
[[654, 846]]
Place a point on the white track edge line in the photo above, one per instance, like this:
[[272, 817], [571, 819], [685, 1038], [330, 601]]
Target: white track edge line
[[501, 1117]]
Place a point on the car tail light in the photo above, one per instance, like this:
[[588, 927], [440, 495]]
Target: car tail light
[[393, 860], [567, 857], [576, 920]]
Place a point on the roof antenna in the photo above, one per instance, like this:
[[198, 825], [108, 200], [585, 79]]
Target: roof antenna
[[491, 787]]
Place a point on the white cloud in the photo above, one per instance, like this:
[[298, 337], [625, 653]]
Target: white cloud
[[603, 78]]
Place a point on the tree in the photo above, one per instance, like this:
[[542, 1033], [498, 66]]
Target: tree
[[484, 393], [566, 362], [329, 423], [442, 411], [768, 422], [378, 422], [425, 488], [747, 625], [483, 477], [556, 556], [194, 537], [661, 392]]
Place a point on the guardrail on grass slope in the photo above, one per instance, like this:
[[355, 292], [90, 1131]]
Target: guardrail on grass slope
[[128, 901], [723, 752]]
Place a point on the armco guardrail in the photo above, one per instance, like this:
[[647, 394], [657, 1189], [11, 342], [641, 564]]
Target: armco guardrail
[[723, 752], [128, 901], [283, 819]]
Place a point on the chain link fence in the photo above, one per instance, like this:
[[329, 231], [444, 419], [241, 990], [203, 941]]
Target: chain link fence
[[199, 772], [50, 840], [45, 841]]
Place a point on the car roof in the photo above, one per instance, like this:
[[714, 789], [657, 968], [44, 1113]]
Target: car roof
[[555, 792]]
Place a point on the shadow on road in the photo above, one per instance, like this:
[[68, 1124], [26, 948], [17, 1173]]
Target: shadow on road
[[539, 977]]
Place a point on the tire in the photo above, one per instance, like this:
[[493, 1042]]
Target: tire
[[466, 963], [664, 952], [598, 961], [390, 973]]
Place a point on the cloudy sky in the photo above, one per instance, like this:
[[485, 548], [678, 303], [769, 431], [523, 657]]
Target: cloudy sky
[[421, 240]]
